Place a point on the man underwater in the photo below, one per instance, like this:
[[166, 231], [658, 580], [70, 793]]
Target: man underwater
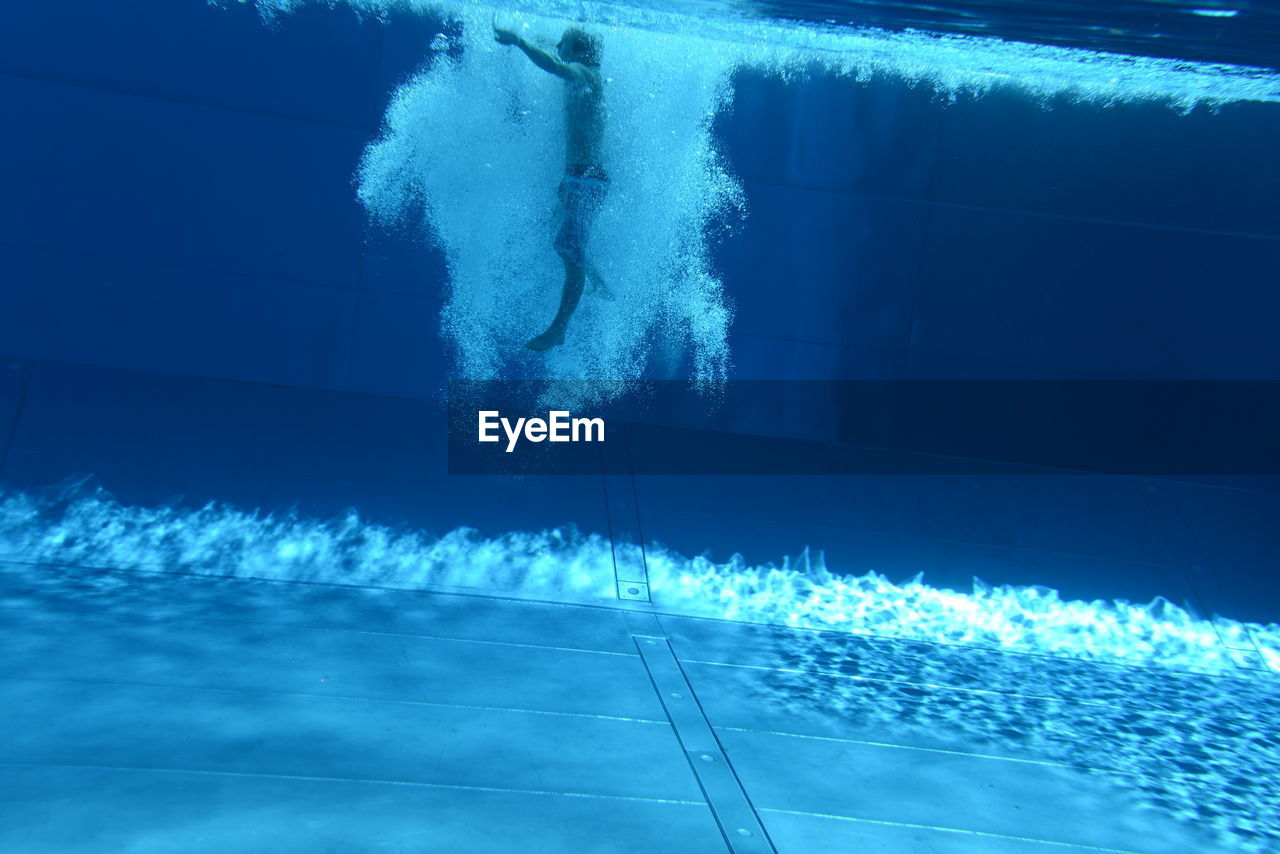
[[585, 184]]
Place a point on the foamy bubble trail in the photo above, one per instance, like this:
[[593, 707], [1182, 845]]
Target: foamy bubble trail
[[90, 529], [474, 144]]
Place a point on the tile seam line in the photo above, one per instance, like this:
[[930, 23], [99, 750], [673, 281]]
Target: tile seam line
[[766, 337], [1245, 235], [682, 741], [808, 188], [1068, 845], [752, 807], [492, 595], [1232, 676], [1005, 468], [217, 378], [292, 627], [1200, 555], [997, 546], [346, 698], [615, 531], [1108, 772], [635, 504], [658, 611], [348, 346], [1151, 497], [1251, 678], [27, 374], [675, 734], [147, 262], [179, 102], [303, 778], [1171, 524], [688, 660], [1065, 699], [442, 638], [1042, 657]]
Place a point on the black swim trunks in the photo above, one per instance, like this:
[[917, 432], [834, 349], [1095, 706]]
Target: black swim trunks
[[582, 190]]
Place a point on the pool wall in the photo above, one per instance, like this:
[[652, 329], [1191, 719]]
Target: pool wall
[[184, 203]]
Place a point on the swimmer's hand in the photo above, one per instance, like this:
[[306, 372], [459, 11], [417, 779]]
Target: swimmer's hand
[[502, 36]]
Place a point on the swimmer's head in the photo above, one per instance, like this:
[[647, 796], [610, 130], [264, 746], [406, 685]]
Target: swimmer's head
[[579, 46]]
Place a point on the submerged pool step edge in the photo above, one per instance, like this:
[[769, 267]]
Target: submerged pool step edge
[[737, 819], [631, 576]]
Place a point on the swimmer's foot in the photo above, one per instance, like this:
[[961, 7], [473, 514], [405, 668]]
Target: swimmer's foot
[[598, 284], [547, 340]]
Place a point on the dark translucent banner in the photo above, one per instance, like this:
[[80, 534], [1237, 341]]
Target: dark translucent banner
[[866, 427]]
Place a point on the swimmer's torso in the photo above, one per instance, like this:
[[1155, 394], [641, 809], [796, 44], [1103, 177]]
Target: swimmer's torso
[[583, 116]]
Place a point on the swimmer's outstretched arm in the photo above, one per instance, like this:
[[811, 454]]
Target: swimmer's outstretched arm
[[540, 57]]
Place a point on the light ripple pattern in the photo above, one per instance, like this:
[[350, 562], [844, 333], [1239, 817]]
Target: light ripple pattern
[[949, 64], [1199, 748]]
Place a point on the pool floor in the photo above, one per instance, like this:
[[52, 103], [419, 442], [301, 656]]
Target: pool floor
[[163, 712]]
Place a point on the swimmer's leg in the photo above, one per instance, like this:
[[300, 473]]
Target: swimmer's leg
[[575, 279], [570, 246]]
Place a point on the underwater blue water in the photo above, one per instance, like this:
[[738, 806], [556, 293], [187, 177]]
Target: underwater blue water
[[249, 243]]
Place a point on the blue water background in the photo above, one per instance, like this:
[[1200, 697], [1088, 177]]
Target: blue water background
[[180, 201]]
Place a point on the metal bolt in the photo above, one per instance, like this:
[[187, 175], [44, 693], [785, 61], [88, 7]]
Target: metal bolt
[[634, 591]]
